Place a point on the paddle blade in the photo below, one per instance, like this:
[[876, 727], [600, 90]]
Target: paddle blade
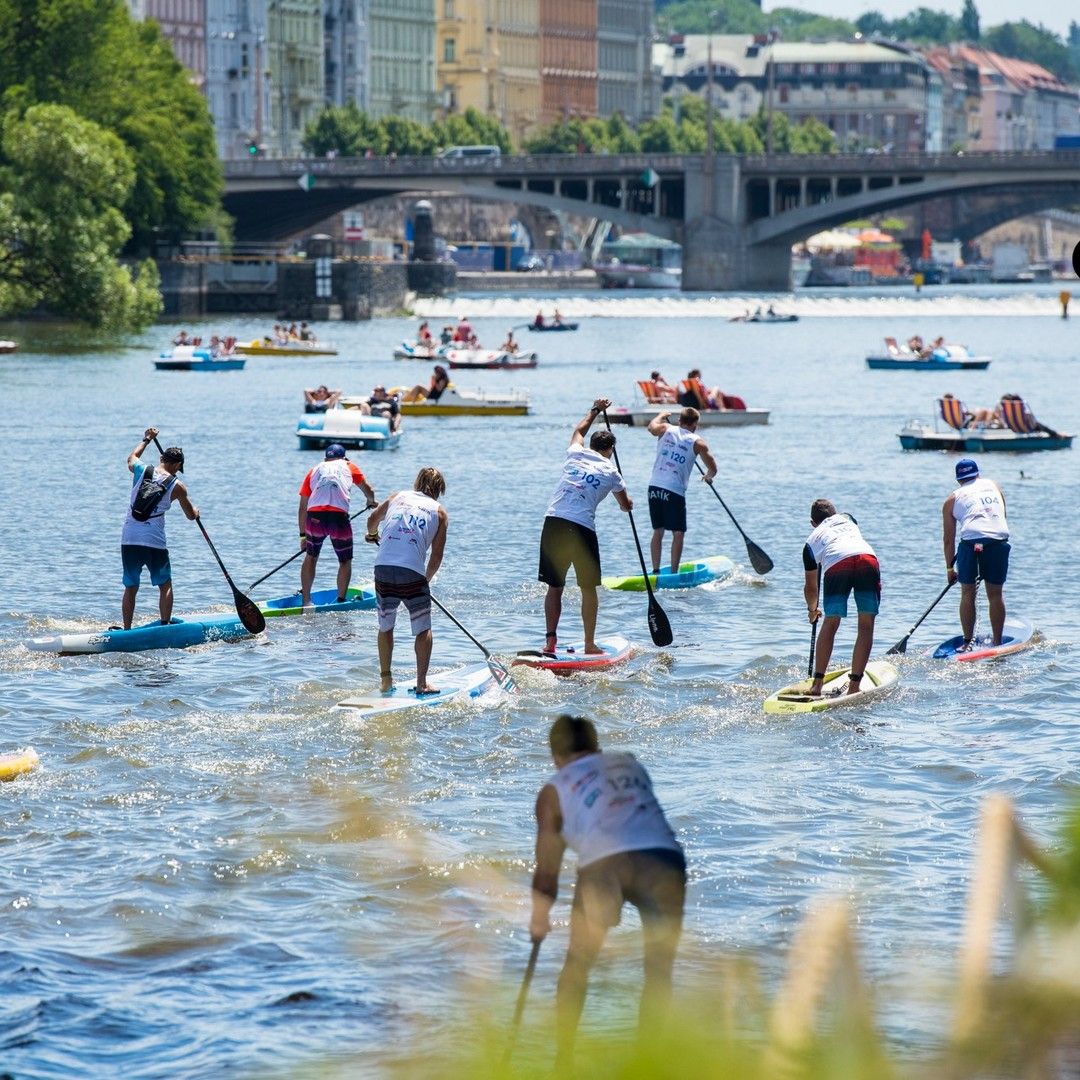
[[659, 627], [761, 562], [502, 675], [900, 646], [253, 619]]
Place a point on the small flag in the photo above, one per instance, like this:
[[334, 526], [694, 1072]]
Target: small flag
[[650, 178], [306, 181]]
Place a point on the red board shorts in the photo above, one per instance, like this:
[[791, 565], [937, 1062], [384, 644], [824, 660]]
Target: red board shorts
[[858, 574], [335, 524]]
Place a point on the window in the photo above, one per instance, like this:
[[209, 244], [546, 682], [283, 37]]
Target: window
[[449, 50], [785, 90], [448, 9]]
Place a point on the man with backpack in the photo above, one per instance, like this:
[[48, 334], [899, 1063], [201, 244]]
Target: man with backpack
[[324, 512], [154, 489]]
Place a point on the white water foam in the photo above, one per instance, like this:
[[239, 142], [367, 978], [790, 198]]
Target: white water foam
[[680, 305]]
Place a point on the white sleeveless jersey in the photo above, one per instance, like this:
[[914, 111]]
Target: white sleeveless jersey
[[587, 477], [408, 529], [979, 510], [607, 806], [150, 533], [331, 485], [835, 539], [674, 459]]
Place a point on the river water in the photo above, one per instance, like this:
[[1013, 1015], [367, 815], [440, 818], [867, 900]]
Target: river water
[[212, 870]]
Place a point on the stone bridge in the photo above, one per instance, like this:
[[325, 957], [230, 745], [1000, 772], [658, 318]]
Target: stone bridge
[[736, 216]]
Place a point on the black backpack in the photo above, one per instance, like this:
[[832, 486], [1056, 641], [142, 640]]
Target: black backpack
[[151, 492]]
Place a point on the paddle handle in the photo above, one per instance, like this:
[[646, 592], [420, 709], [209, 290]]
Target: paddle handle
[[813, 631], [633, 526], [519, 1006]]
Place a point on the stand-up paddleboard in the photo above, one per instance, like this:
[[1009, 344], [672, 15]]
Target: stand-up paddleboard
[[571, 658], [461, 683], [359, 599], [178, 634], [878, 679], [689, 576], [1016, 635], [17, 763]]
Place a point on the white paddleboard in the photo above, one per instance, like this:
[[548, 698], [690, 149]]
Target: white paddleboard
[[461, 683], [878, 679]]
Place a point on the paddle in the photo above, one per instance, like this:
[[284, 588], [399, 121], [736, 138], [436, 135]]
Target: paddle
[[813, 632], [296, 555], [253, 619], [659, 626], [519, 1008], [502, 676], [761, 562], [901, 645]]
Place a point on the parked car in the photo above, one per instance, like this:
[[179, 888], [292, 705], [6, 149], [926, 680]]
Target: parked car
[[458, 152]]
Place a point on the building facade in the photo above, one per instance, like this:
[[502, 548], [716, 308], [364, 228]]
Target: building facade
[[237, 76], [183, 24], [961, 99], [401, 80], [488, 58], [568, 59], [872, 95], [625, 75], [345, 51], [1022, 105], [295, 59]]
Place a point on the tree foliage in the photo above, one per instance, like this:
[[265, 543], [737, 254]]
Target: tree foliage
[[122, 75], [969, 22], [350, 132], [1026, 41], [63, 185]]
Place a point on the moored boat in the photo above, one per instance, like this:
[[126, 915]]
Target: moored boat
[[348, 426], [941, 358], [643, 415], [455, 402], [464, 359], [552, 328], [412, 350]]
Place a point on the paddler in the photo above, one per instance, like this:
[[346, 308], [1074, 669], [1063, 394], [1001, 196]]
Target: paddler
[[838, 558], [677, 447], [410, 553], [154, 488], [975, 512], [601, 805], [569, 533], [324, 512]]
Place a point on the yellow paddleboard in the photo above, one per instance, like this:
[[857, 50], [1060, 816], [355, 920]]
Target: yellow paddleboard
[[17, 763], [878, 679]]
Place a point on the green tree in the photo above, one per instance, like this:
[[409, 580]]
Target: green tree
[[660, 135], [62, 188], [570, 136], [1026, 41], [407, 136], [969, 21], [345, 130], [621, 137], [91, 56]]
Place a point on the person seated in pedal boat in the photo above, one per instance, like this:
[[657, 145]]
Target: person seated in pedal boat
[[320, 399], [293, 334], [440, 380], [707, 399], [182, 338], [424, 338], [556, 318], [771, 312], [837, 559], [915, 344], [664, 390], [510, 345], [306, 333], [539, 320], [447, 335], [383, 404]]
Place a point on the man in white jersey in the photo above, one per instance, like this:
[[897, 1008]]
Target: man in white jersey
[[601, 805], [676, 449], [569, 533], [837, 558], [975, 512], [410, 553], [142, 542]]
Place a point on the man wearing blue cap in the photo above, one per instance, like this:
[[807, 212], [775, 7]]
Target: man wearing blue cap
[[324, 512], [975, 512]]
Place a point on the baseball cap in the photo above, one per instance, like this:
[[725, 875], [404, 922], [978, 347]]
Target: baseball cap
[[174, 456], [335, 450], [966, 469]]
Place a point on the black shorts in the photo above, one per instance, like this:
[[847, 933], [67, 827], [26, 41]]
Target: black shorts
[[667, 510], [564, 544], [653, 880]]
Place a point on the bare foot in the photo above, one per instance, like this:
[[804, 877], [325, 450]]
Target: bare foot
[[386, 682], [854, 686], [425, 690], [815, 689], [592, 649]]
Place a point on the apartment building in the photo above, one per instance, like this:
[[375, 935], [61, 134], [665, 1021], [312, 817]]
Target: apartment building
[[625, 75], [488, 58], [568, 59], [345, 51], [961, 98], [401, 79], [183, 24]]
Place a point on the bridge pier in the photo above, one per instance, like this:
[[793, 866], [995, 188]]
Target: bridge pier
[[716, 256]]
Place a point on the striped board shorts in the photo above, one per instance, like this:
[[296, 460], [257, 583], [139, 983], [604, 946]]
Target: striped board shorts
[[396, 585], [320, 524]]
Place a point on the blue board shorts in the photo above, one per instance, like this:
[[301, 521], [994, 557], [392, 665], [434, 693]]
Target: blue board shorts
[[988, 559], [136, 556], [667, 510], [858, 574]]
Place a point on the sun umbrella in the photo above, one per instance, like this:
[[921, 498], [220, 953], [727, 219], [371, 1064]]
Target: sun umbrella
[[832, 240]]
